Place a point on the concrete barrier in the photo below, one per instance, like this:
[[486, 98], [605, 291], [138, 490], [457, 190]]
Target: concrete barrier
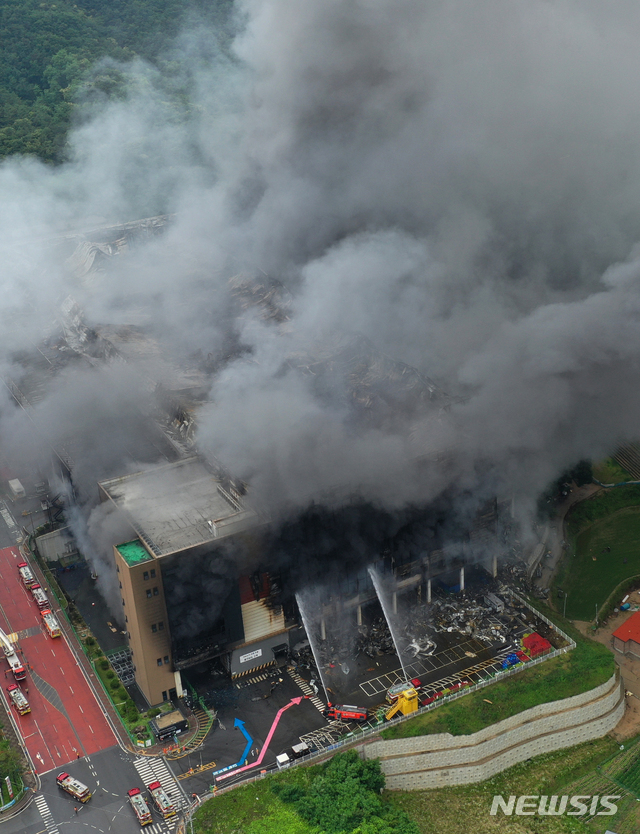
[[434, 761]]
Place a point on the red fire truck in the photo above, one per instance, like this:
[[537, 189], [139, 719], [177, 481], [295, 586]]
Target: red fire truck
[[40, 597], [26, 575], [140, 807], [50, 623], [161, 800], [15, 664], [346, 712], [18, 699], [74, 787]]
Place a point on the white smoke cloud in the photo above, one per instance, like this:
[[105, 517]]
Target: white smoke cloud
[[459, 183]]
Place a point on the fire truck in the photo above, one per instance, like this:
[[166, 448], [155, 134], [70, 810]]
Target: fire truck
[[50, 623], [140, 807], [19, 699], [40, 597], [346, 712], [27, 577], [161, 800], [15, 665], [72, 786]]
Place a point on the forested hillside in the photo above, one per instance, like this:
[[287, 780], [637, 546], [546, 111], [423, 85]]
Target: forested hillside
[[49, 54]]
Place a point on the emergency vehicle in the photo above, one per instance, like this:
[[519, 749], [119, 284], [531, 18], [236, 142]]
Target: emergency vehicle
[[40, 597], [346, 712], [15, 664], [397, 688], [140, 807], [19, 699], [27, 577], [50, 623], [161, 800], [72, 786]]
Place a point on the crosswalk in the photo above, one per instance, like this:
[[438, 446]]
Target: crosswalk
[[304, 686], [47, 816], [161, 827], [150, 770]]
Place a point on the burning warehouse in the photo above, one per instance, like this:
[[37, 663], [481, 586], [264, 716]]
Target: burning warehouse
[[190, 589], [185, 594]]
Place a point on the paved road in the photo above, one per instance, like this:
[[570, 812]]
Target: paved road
[[66, 719], [109, 774]]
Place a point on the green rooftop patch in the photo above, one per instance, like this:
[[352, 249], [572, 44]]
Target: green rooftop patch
[[134, 553]]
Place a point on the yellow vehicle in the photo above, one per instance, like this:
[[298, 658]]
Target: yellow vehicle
[[406, 703]]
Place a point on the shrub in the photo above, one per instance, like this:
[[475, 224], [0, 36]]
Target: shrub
[[89, 641], [115, 684], [110, 674], [104, 664]]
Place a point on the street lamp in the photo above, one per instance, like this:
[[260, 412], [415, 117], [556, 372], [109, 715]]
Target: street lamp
[[564, 611]]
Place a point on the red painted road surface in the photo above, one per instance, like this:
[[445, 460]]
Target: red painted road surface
[[48, 734]]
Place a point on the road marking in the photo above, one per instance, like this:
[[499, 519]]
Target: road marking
[[151, 770], [265, 746], [47, 816]]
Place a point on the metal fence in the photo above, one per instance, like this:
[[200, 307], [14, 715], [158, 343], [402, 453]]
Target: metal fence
[[367, 731]]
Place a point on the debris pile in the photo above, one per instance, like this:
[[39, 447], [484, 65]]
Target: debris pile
[[374, 641], [487, 617]]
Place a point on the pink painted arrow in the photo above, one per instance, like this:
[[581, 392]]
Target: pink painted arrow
[[265, 746]]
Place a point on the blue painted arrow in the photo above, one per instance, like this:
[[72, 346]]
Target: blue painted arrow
[[245, 754]]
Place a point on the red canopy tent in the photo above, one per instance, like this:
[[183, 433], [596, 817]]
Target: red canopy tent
[[535, 644]]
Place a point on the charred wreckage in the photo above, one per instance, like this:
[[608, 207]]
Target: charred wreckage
[[204, 575]]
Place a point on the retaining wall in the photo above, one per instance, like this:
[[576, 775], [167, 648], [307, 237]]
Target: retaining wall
[[434, 761]]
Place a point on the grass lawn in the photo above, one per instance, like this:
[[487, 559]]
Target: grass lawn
[[609, 471], [466, 808], [255, 809], [583, 668], [605, 553]]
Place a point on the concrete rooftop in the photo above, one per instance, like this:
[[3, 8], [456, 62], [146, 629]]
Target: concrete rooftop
[[178, 505]]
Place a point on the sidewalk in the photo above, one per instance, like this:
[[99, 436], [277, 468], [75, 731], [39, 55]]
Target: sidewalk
[[82, 660]]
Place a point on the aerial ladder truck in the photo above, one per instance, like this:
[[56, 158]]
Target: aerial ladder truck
[[406, 704], [15, 664]]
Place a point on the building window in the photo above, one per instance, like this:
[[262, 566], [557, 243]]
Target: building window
[[145, 575], [120, 584], [159, 661], [166, 658], [154, 628], [153, 573], [160, 626], [148, 593], [118, 568], [123, 602], [155, 592], [126, 619]]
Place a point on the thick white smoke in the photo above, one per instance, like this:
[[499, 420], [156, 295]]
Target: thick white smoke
[[457, 182]]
